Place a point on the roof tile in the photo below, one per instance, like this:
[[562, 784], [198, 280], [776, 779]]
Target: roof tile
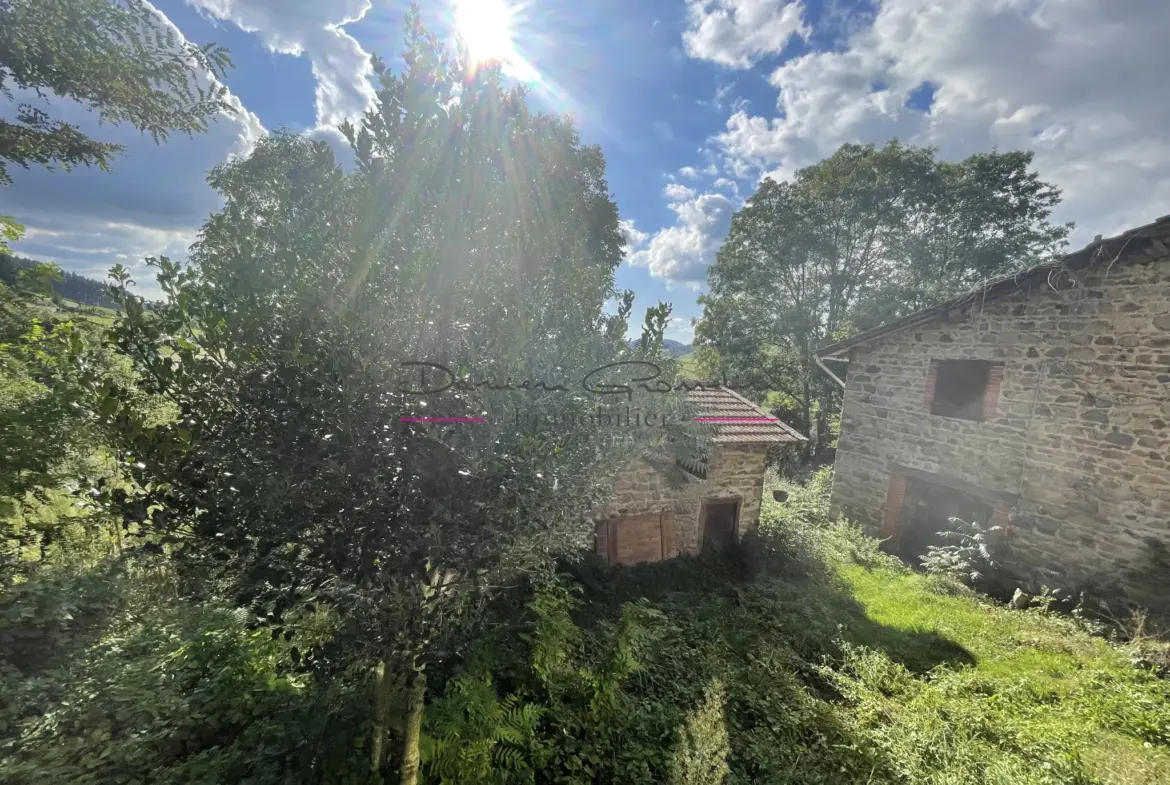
[[737, 420]]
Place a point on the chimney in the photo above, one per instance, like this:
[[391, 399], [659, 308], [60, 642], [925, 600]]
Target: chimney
[[1097, 239]]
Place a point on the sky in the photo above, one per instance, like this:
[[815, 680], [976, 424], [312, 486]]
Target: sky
[[692, 102]]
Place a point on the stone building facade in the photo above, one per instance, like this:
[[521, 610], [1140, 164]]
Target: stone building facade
[[649, 520], [1039, 402]]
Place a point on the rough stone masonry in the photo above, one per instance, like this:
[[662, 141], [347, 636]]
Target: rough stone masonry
[[1073, 448], [736, 472]]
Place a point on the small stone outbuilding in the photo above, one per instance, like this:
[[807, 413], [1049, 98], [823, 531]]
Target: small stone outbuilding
[[648, 520], [1039, 402]]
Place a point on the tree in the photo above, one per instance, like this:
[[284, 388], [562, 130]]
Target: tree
[[862, 237], [10, 232], [39, 278], [115, 57], [474, 235], [118, 59]]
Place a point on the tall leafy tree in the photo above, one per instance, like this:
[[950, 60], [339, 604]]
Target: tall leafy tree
[[862, 237], [475, 235]]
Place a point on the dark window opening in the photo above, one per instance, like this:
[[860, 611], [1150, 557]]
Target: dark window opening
[[959, 388]]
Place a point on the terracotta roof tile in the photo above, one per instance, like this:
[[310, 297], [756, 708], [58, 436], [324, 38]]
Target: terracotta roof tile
[[737, 420]]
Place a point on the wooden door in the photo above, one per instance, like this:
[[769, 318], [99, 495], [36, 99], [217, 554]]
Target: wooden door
[[720, 523], [635, 539]]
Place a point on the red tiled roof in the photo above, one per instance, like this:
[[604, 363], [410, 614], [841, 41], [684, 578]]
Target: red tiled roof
[[737, 420]]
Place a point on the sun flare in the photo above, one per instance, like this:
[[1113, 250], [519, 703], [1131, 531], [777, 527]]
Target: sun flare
[[485, 27]]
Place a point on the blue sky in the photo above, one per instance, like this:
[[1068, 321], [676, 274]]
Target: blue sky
[[692, 101]]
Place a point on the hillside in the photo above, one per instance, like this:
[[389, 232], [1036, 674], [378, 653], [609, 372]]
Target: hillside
[[78, 288], [670, 346], [810, 658]]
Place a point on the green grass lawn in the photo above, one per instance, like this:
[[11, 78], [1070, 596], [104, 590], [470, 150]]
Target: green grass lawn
[[1041, 696], [952, 687]]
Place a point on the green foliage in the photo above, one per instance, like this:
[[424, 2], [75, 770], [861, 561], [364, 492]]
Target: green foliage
[[120, 59], [40, 278], [171, 693], [474, 234], [71, 286], [862, 237], [701, 754], [55, 372], [10, 231], [477, 737], [972, 552], [798, 537], [54, 613]]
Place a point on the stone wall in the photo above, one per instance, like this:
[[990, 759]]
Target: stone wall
[[1078, 442], [734, 471]]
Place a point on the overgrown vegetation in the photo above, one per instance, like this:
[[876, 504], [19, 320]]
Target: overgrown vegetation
[[971, 552], [816, 660], [231, 554]]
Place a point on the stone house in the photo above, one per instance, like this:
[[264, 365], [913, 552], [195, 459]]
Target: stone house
[[648, 520], [1039, 402]]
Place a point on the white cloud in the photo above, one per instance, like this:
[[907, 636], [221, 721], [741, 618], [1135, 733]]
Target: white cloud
[[680, 329], [730, 185], [689, 172], [737, 33], [316, 29], [676, 192], [151, 203], [1079, 83], [682, 253], [634, 238]]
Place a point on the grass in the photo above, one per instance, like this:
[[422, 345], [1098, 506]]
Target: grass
[[840, 666], [688, 366], [1037, 698], [844, 666]]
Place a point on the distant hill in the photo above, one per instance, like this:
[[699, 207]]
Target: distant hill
[[673, 348], [75, 287]]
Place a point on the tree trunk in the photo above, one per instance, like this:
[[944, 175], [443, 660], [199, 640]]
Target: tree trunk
[[382, 687], [823, 434], [414, 713]]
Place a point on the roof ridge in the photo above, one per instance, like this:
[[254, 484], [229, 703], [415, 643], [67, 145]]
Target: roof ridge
[[1003, 284]]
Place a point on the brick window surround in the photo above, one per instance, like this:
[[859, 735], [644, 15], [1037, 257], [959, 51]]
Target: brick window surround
[[896, 498], [991, 392]]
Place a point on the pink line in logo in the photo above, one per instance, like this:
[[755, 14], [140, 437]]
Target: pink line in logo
[[737, 419], [441, 419]]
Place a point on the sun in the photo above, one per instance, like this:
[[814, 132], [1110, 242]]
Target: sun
[[485, 27]]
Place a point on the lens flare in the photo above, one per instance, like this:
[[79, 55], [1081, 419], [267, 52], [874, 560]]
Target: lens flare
[[485, 28]]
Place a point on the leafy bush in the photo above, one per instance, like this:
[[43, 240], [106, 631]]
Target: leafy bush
[[972, 553], [700, 757], [180, 694]]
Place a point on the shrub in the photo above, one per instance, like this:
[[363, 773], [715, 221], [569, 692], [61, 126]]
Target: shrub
[[180, 694], [972, 553], [701, 755]]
